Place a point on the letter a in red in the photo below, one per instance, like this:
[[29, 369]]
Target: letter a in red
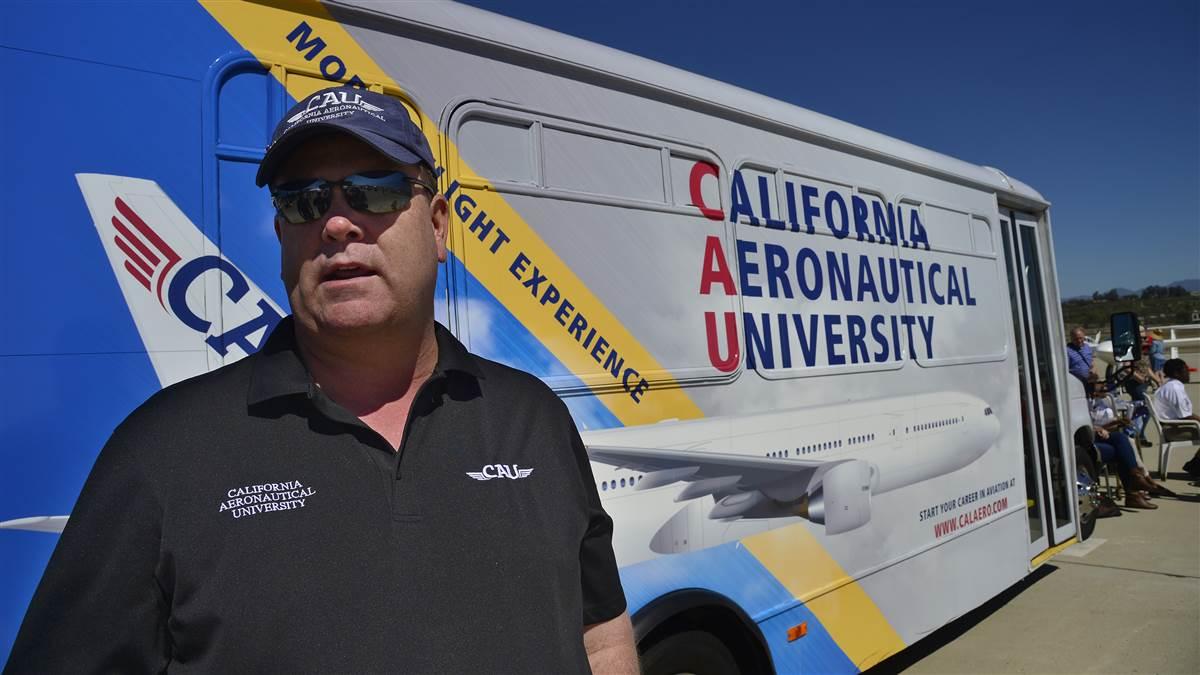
[[716, 269]]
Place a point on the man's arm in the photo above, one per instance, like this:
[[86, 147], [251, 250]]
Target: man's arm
[[99, 606], [610, 647]]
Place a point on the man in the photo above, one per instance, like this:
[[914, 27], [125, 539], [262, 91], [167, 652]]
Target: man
[[363, 494], [1079, 355], [1172, 402]]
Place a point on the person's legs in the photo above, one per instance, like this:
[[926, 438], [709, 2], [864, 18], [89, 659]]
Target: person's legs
[[1110, 453], [1116, 448], [1126, 456]]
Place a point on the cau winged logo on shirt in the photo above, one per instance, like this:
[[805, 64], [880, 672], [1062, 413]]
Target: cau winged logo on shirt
[[510, 471]]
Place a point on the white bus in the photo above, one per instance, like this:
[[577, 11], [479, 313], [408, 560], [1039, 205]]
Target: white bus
[[819, 370]]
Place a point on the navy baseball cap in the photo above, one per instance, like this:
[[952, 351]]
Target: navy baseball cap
[[376, 119]]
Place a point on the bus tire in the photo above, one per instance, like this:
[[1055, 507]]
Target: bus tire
[[1088, 487], [694, 651]]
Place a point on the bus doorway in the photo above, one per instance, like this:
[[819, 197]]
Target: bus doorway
[[1049, 492]]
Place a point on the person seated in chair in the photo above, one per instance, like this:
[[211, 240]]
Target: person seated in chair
[[1115, 447], [1172, 402]]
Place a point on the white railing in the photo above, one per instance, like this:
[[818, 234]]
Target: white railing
[[1173, 333]]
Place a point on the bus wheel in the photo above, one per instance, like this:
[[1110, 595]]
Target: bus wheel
[[1089, 494], [694, 652]]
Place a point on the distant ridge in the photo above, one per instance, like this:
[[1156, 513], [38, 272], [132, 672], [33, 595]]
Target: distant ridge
[[1190, 285]]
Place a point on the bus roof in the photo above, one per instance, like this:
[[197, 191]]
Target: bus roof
[[455, 21]]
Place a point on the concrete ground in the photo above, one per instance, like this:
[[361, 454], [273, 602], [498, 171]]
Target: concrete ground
[[1125, 601]]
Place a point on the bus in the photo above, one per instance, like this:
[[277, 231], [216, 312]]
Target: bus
[[819, 371]]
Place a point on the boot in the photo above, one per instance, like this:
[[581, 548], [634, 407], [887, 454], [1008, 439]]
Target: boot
[[1107, 509], [1137, 500], [1192, 466], [1144, 482]]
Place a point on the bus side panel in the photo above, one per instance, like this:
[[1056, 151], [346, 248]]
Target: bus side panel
[[119, 92], [575, 173]]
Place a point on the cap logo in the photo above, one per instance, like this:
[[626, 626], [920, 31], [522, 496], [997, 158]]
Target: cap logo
[[335, 104]]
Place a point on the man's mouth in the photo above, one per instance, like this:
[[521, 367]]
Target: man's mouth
[[347, 272]]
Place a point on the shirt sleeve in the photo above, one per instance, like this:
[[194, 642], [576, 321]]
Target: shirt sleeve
[[1076, 365], [1182, 401], [603, 597], [99, 606]]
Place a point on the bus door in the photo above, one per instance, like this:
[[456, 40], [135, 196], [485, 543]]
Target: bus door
[[1048, 466]]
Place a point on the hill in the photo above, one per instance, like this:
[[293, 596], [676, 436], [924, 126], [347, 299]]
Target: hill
[[1093, 314], [1192, 285]]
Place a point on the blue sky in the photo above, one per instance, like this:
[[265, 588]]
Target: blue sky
[[1095, 104]]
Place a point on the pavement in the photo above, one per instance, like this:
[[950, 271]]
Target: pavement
[[1125, 601]]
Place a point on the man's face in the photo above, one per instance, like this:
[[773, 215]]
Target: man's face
[[1077, 338], [352, 270]]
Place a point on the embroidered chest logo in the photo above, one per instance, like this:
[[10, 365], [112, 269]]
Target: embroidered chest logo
[[251, 500], [510, 471]]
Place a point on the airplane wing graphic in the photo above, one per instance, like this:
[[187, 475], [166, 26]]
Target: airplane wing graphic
[[742, 486], [36, 524]]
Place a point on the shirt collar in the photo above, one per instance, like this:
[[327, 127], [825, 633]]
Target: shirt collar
[[279, 371]]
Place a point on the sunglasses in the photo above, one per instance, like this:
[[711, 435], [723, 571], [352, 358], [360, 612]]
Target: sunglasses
[[306, 200]]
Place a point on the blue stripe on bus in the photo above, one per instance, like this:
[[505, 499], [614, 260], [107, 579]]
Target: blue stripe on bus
[[731, 571]]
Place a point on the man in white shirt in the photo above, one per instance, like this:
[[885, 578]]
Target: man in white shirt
[[1172, 402]]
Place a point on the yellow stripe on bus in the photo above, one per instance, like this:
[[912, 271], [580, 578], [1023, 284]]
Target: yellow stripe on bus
[[263, 29], [795, 557], [1051, 552]]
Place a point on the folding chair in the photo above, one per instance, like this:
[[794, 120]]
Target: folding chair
[[1171, 434]]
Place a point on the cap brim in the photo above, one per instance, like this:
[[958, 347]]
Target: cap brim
[[293, 139]]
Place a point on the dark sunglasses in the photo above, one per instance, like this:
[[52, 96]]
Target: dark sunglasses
[[304, 201]]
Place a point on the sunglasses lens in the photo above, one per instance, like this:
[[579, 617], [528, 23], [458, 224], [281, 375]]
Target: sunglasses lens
[[372, 192], [382, 192], [301, 203]]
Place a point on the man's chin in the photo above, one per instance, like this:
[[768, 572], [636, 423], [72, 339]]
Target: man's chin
[[352, 316]]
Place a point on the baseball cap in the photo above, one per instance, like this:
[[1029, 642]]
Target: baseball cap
[[376, 119]]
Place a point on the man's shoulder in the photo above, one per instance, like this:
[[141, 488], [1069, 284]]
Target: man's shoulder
[[205, 398], [1171, 392], [505, 379]]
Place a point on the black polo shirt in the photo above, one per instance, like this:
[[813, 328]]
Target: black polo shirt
[[242, 521]]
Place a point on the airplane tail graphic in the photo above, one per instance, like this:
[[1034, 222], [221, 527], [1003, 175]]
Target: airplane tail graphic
[[194, 309]]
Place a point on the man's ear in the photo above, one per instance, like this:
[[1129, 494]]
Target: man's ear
[[439, 215]]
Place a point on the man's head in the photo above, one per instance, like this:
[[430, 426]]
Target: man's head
[[1078, 337], [360, 224], [1177, 369]]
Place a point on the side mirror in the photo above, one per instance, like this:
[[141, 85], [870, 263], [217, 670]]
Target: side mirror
[[1126, 338]]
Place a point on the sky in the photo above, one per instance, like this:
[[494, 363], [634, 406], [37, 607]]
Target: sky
[[1095, 104]]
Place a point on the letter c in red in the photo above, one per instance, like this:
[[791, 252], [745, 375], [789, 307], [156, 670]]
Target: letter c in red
[[699, 171]]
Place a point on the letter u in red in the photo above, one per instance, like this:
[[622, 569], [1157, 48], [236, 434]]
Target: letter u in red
[[730, 362]]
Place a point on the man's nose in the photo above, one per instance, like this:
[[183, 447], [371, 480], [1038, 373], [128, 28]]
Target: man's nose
[[341, 221]]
